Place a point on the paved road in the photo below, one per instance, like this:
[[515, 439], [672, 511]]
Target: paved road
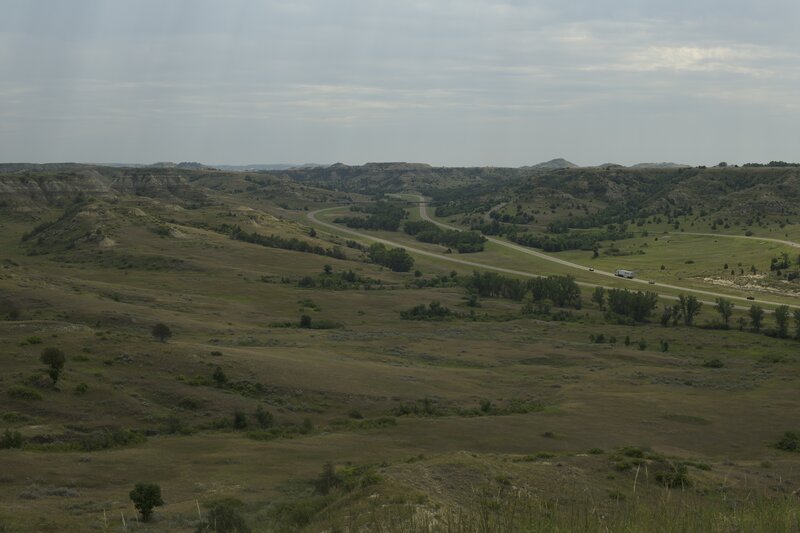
[[312, 216], [787, 243]]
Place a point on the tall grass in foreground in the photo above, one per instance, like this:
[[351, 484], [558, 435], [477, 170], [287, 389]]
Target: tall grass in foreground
[[668, 511]]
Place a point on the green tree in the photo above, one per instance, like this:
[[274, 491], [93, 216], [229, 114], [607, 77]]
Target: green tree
[[305, 321], [219, 377], [264, 417], [11, 439], [239, 420], [145, 497], [327, 479], [161, 332], [55, 359], [690, 306], [725, 310], [756, 313], [782, 320], [224, 518], [599, 297], [796, 316]]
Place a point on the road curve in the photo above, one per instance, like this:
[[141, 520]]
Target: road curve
[[312, 216], [753, 237]]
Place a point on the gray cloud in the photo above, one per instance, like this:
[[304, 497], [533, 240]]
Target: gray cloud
[[468, 82]]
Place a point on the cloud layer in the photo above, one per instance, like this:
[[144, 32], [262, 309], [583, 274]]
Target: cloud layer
[[460, 83]]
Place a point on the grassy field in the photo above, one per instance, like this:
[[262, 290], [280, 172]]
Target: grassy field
[[488, 421]]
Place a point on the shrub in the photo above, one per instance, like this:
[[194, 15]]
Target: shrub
[[327, 479], [714, 363], [55, 359], [189, 404], [161, 332], [109, 438], [18, 392], [675, 475], [433, 311], [81, 389], [789, 442], [264, 417], [145, 497], [239, 420], [11, 439], [223, 518], [219, 377]]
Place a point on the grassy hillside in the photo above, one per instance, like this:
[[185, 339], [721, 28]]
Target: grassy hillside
[[495, 415]]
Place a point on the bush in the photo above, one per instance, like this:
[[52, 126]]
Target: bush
[[11, 439], [18, 392], [161, 332], [433, 311], [55, 359], [81, 389], [223, 518], [789, 442], [109, 438], [264, 417], [145, 497], [239, 420], [713, 363], [675, 475], [327, 479]]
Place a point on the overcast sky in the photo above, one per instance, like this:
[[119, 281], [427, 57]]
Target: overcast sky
[[467, 82]]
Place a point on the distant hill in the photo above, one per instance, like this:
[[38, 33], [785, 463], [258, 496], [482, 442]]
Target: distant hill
[[265, 167], [660, 165], [553, 164]]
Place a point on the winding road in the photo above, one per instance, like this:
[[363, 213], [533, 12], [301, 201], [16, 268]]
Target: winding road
[[423, 211]]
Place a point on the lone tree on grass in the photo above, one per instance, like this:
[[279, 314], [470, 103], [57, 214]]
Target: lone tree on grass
[[756, 313], [782, 320], [146, 496], [690, 306], [796, 316], [725, 310], [161, 332], [55, 359], [599, 297]]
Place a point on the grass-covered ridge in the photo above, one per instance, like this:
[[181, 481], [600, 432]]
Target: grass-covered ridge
[[324, 392]]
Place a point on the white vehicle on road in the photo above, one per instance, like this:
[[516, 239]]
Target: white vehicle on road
[[624, 273]]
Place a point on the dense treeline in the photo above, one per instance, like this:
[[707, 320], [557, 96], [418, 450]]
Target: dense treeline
[[382, 216], [433, 311], [462, 241], [573, 240], [771, 164], [275, 241], [396, 259], [563, 291], [336, 280], [562, 238], [638, 305]]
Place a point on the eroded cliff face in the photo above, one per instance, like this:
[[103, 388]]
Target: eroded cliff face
[[47, 189], [32, 186]]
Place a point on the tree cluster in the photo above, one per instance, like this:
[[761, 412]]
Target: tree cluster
[[382, 216], [463, 241], [396, 259], [275, 241], [563, 291]]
